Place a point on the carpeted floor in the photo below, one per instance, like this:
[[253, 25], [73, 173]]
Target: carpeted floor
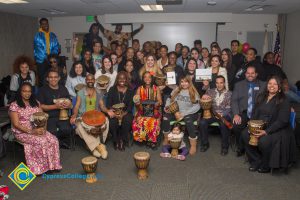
[[203, 176]]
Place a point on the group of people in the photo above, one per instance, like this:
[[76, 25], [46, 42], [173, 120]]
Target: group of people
[[241, 88]]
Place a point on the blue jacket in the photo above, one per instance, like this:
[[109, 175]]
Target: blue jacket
[[40, 52]]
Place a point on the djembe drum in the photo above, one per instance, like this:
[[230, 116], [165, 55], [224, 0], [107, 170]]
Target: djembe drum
[[118, 110], [206, 105], [148, 108], [78, 87], [168, 69], [160, 79], [39, 120], [175, 144], [253, 126], [174, 109], [63, 113], [142, 160], [93, 122], [89, 165], [102, 82]]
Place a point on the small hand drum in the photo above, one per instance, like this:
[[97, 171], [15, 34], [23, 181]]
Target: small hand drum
[[168, 69], [142, 160], [78, 87], [89, 165], [102, 82], [206, 105], [174, 109], [94, 122], [118, 110], [160, 79], [63, 114], [148, 108], [175, 144], [39, 119], [253, 126]]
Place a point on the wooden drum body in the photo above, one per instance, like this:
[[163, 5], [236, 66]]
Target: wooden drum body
[[63, 114], [160, 80], [118, 110], [174, 109], [89, 165], [175, 144], [206, 105], [102, 82], [141, 160], [39, 120], [253, 126]]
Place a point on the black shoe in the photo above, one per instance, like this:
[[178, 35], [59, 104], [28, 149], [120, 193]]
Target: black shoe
[[64, 146], [121, 146], [264, 170], [240, 153], [153, 146], [224, 151], [204, 147], [252, 169], [116, 145]]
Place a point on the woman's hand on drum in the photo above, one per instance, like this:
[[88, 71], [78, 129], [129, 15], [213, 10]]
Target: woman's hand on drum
[[205, 96], [166, 109], [67, 104], [73, 119], [111, 113], [260, 133], [162, 87]]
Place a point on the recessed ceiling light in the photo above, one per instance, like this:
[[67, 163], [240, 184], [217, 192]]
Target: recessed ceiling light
[[12, 1], [152, 7], [54, 11], [211, 3]]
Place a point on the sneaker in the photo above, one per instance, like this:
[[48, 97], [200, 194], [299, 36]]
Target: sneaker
[[165, 155], [180, 157]]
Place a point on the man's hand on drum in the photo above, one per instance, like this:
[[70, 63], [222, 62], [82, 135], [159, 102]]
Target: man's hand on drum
[[260, 133], [67, 104], [237, 119], [73, 119], [111, 113]]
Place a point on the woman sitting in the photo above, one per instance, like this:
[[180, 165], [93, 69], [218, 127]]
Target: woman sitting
[[76, 76], [276, 143], [41, 147], [187, 99], [120, 93], [146, 123], [23, 73]]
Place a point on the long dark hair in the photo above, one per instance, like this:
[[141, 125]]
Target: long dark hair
[[111, 70], [32, 100], [229, 62], [187, 64], [152, 79], [72, 71], [279, 97]]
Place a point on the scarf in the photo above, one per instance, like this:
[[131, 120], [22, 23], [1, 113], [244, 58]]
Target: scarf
[[47, 38]]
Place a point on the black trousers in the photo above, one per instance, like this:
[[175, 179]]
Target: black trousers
[[258, 156], [42, 69], [203, 126], [189, 123], [238, 129], [61, 129], [120, 132]]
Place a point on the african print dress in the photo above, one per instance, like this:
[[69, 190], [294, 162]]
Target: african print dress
[[41, 152], [146, 128]]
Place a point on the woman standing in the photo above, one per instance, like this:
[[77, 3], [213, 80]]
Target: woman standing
[[150, 66], [23, 73], [163, 61], [205, 56], [41, 147], [76, 76], [56, 65], [195, 54], [276, 143], [107, 70], [132, 74], [187, 99], [229, 66], [147, 127], [190, 71], [120, 93]]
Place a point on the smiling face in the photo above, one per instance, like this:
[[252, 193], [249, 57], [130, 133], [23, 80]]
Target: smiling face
[[224, 56], [192, 66], [176, 131], [129, 67], [250, 56], [195, 54], [53, 79], [107, 64], [44, 25], [90, 80], [87, 56], [147, 78], [78, 69], [172, 59], [273, 86], [130, 53], [163, 52], [214, 51], [185, 52], [26, 92], [97, 48], [204, 53], [24, 68], [150, 61], [119, 51], [220, 84], [250, 74], [184, 84], [121, 80], [215, 62]]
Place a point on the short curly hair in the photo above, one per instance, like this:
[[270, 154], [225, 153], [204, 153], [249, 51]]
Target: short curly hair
[[21, 60]]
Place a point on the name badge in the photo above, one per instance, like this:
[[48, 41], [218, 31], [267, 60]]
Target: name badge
[[256, 88]]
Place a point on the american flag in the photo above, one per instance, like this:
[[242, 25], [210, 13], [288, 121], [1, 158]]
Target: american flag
[[277, 50]]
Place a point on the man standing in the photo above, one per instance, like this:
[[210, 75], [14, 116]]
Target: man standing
[[117, 35], [221, 107], [242, 103], [45, 43], [237, 58], [91, 95], [46, 96]]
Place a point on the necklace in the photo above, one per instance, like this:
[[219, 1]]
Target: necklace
[[90, 97], [119, 93]]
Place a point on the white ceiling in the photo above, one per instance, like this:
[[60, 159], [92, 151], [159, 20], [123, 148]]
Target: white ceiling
[[100, 7]]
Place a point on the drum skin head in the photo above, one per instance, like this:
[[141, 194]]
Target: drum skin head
[[89, 160], [141, 155], [93, 118]]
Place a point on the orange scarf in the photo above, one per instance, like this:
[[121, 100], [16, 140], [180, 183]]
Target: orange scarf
[[47, 37]]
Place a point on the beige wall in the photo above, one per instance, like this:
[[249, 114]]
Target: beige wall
[[16, 38], [291, 63]]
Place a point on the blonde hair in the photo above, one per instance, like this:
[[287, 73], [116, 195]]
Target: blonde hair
[[156, 69], [192, 90]]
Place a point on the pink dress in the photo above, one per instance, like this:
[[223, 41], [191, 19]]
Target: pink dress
[[41, 152]]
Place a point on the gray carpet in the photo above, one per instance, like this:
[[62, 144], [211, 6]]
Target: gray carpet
[[203, 176]]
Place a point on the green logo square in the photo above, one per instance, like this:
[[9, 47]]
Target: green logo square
[[21, 176]]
